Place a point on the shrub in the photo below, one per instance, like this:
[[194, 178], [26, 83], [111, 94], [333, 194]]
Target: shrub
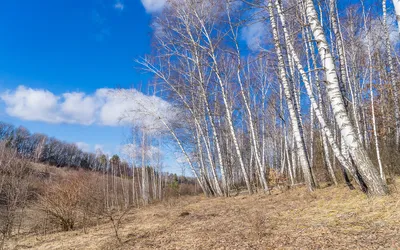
[[72, 198], [15, 189], [61, 200]]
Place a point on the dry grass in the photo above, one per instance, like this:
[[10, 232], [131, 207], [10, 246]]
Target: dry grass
[[330, 218]]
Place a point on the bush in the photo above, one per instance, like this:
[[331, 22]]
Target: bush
[[69, 200], [61, 201], [15, 189]]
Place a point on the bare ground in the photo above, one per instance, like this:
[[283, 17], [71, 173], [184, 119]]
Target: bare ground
[[330, 218]]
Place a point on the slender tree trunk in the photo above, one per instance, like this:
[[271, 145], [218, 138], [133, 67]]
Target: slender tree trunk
[[292, 106], [228, 111], [145, 178], [288, 161], [315, 106], [203, 171], [371, 93], [253, 136], [364, 164], [106, 186], [392, 77], [133, 185], [186, 155]]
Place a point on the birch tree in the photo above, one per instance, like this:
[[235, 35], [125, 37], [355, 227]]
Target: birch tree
[[292, 105], [364, 164]]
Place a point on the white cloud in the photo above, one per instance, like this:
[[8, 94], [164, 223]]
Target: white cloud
[[147, 112], [108, 107], [119, 6], [99, 149], [153, 6], [97, 18], [83, 146], [102, 29], [255, 35], [32, 104], [102, 34], [78, 108]]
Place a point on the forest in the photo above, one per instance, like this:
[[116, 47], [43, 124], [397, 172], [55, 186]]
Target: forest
[[313, 95]]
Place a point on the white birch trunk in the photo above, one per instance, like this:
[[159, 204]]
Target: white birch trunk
[[294, 158], [145, 181], [315, 106], [203, 170], [213, 128], [328, 160], [133, 185], [371, 93], [160, 74], [185, 154], [291, 103], [360, 156], [228, 111], [288, 161], [260, 166]]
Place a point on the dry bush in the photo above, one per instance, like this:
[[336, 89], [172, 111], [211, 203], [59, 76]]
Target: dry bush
[[175, 190], [187, 189], [278, 180], [71, 199], [61, 200], [15, 190], [116, 220]]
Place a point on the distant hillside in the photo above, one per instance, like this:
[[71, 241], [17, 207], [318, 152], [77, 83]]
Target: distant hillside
[[49, 150]]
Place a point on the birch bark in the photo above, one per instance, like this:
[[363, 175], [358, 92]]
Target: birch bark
[[228, 110], [364, 164], [371, 93], [291, 102], [260, 166]]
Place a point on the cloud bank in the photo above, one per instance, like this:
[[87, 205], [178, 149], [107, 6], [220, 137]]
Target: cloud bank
[[109, 107]]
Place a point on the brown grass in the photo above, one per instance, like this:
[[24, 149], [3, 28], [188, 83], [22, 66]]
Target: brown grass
[[330, 218]]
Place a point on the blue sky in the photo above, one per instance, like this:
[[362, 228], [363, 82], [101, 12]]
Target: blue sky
[[70, 46]]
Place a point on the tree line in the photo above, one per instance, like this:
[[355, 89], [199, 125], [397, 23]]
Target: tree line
[[41, 148]]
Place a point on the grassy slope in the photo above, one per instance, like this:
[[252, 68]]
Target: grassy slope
[[334, 218]]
